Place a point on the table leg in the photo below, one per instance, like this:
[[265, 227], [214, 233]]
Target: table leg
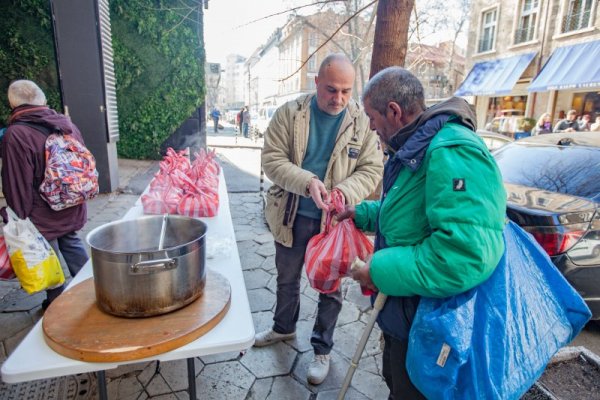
[[191, 378], [102, 385]]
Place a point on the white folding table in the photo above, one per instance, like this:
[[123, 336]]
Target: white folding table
[[33, 359]]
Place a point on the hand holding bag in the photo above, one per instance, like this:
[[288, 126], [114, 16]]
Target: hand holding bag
[[33, 260]]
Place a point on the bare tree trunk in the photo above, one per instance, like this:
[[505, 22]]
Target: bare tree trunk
[[391, 34]]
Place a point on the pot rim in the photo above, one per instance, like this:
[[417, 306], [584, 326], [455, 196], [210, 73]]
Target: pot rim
[[144, 217]]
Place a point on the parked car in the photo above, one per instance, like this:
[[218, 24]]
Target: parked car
[[493, 140], [263, 119], [553, 188]]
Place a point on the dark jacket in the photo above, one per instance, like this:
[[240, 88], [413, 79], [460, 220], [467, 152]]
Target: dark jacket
[[23, 165]]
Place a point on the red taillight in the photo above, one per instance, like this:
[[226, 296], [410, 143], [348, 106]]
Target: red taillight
[[555, 241]]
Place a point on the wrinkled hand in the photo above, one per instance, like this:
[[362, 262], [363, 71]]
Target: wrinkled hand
[[318, 192], [363, 276], [348, 212]]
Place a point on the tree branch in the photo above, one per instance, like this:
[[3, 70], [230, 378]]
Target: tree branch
[[328, 40]]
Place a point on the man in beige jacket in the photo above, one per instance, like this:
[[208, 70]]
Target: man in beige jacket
[[313, 145]]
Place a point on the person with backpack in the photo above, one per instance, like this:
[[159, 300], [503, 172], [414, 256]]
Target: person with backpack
[[24, 169]]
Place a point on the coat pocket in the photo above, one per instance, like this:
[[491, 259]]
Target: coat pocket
[[275, 208]]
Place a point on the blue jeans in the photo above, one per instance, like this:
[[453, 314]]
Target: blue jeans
[[245, 129], [289, 262], [73, 252]]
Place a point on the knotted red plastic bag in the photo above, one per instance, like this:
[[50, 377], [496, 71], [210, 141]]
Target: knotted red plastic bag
[[6, 270], [329, 254]]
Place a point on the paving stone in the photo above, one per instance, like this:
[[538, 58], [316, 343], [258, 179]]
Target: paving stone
[[371, 385], [351, 394], [262, 320], [264, 238], [267, 249], [231, 372], [337, 371], [256, 278], [211, 389], [149, 372], [303, 334], [272, 284], [247, 247], [157, 386], [220, 357], [251, 260], [348, 314], [308, 291], [286, 388], [274, 360], [182, 395], [7, 287], [130, 369], [3, 355], [370, 364], [347, 337], [260, 389], [14, 322], [19, 300], [240, 236], [175, 374], [261, 299], [269, 265], [127, 388], [355, 296]]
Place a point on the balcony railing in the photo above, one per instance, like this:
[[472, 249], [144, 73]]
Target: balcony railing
[[524, 35], [576, 21]]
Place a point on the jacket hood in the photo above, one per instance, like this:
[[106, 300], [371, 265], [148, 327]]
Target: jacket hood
[[42, 115], [458, 109]]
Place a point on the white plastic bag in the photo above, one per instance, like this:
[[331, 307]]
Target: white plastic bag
[[33, 260]]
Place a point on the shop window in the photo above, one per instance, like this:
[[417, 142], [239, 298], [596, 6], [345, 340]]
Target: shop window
[[527, 21], [312, 63], [577, 15], [312, 40], [487, 34]]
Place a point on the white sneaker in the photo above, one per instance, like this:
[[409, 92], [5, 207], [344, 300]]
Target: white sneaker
[[268, 337], [318, 369]]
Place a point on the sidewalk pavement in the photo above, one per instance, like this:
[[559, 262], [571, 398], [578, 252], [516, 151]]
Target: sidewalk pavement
[[275, 372]]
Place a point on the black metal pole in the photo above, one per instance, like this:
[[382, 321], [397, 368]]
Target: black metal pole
[[102, 385], [191, 378]]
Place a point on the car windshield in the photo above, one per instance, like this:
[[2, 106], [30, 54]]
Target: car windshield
[[573, 170]]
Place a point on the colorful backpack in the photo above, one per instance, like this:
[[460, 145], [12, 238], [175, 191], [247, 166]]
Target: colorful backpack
[[70, 177]]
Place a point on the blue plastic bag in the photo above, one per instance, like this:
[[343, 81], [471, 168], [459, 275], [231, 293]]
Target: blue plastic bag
[[494, 341]]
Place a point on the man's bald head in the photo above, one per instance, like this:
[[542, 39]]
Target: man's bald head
[[334, 83]]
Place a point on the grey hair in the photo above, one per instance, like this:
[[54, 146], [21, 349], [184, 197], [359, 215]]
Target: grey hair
[[398, 85], [25, 92]]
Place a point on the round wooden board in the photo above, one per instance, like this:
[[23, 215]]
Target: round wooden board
[[75, 327]]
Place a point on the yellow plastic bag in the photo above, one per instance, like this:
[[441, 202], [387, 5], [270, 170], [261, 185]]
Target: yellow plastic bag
[[35, 263]]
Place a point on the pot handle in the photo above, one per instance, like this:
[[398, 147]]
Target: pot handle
[[152, 266]]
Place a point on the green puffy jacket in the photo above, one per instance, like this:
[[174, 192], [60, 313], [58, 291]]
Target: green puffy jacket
[[442, 222]]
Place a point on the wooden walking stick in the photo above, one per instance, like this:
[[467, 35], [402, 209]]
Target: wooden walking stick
[[377, 306]]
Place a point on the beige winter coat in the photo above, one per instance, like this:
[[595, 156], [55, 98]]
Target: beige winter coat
[[355, 166]]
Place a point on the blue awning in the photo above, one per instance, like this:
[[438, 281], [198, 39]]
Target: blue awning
[[570, 67], [494, 77]]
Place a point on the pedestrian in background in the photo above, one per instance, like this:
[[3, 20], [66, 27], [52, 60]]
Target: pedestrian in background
[[438, 225], [569, 124], [313, 145], [584, 124], [216, 114], [245, 121], [543, 125], [239, 119], [595, 127], [23, 166]]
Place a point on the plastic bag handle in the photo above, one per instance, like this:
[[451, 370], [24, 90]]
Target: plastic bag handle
[[11, 214]]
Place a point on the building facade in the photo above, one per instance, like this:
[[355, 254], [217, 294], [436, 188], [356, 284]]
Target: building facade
[[528, 57]]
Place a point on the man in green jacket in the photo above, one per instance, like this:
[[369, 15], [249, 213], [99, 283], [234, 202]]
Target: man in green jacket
[[439, 221], [314, 144]]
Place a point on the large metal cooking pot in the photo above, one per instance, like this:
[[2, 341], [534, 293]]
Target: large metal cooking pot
[[133, 278]]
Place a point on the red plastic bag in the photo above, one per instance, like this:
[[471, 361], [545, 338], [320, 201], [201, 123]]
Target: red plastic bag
[[6, 270], [329, 254]]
